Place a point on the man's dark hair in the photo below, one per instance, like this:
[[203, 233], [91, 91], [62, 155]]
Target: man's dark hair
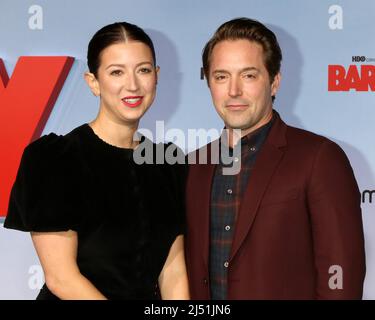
[[248, 29]]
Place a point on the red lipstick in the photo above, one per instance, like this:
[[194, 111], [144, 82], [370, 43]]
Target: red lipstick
[[132, 101]]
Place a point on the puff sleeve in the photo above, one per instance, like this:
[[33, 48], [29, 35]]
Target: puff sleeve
[[45, 194]]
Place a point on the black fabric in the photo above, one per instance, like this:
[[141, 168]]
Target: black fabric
[[126, 215]]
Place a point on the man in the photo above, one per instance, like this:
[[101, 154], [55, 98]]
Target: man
[[288, 225]]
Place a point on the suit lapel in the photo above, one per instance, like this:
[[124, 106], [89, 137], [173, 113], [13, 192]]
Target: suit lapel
[[204, 178], [266, 164]]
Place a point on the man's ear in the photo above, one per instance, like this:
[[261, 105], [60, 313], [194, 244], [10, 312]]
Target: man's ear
[[275, 84], [92, 82]]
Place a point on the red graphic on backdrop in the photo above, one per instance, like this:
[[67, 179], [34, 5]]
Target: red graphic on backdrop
[[358, 78], [26, 101]]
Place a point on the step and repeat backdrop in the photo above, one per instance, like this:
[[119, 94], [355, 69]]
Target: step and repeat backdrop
[[328, 84]]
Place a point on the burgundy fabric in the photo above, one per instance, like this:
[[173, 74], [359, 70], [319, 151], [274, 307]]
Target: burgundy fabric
[[299, 216]]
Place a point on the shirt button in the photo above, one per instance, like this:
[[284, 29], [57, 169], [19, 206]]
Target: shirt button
[[229, 191], [252, 149], [227, 228], [226, 264]]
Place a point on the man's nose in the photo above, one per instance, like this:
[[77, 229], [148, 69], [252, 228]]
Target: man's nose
[[235, 87]]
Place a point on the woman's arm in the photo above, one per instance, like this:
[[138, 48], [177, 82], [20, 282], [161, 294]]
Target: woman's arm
[[57, 253], [173, 280]]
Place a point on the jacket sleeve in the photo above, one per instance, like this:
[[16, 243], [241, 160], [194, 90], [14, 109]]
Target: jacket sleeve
[[334, 205]]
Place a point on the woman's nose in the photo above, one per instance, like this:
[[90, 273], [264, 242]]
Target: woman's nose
[[132, 82]]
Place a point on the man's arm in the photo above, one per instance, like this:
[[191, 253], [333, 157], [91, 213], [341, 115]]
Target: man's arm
[[334, 205]]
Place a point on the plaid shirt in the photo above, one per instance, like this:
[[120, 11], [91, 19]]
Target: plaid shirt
[[226, 195]]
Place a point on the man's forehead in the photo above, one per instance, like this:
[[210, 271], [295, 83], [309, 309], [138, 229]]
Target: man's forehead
[[237, 56]]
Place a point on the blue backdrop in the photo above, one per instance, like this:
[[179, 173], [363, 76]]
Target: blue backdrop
[[312, 34]]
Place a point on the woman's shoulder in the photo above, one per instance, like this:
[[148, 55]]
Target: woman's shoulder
[[53, 146], [174, 160], [172, 153], [46, 193]]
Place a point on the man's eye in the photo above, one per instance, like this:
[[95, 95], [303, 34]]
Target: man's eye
[[249, 76], [116, 72], [220, 77]]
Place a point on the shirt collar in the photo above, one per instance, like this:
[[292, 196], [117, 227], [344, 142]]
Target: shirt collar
[[255, 138]]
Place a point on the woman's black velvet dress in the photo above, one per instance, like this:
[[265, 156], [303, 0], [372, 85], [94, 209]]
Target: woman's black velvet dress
[[126, 215]]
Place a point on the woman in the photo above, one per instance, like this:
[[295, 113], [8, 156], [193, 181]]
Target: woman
[[103, 226]]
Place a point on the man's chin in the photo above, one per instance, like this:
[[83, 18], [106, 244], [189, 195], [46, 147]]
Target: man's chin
[[238, 126]]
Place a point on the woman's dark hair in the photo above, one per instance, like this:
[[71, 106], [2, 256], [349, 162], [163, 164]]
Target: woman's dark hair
[[112, 34], [248, 29]]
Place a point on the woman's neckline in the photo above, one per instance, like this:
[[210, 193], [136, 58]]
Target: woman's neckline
[[105, 143]]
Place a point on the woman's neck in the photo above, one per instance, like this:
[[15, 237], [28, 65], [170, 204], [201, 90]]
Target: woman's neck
[[117, 134]]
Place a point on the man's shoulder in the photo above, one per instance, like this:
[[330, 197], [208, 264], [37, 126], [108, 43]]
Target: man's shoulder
[[294, 135], [299, 136], [309, 144]]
